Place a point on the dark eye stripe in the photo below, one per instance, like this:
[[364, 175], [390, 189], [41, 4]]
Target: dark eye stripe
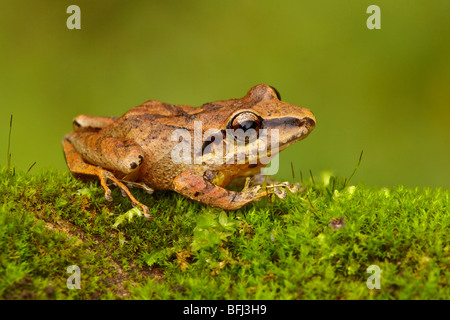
[[289, 122]]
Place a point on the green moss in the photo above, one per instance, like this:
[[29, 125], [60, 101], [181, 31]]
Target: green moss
[[268, 250]]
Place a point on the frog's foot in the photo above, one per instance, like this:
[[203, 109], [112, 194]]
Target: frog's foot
[[133, 184], [271, 188], [281, 193], [105, 175], [274, 186], [258, 191]]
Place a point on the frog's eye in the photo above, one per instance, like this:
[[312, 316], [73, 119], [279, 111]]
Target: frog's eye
[[246, 126]]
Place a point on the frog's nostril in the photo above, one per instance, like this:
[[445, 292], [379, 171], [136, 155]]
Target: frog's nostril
[[310, 123]]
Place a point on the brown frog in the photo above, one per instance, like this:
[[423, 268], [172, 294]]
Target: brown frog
[[150, 147]]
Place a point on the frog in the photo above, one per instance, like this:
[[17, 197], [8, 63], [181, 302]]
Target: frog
[[136, 150]]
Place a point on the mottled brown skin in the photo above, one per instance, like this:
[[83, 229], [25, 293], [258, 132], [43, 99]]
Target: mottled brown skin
[[135, 149]]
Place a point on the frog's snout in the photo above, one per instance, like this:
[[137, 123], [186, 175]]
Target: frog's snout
[[307, 123]]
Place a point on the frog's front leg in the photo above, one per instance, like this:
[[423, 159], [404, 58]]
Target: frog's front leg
[[198, 187], [90, 154]]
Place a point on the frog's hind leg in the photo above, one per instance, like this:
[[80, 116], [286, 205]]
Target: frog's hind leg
[[82, 169], [120, 155]]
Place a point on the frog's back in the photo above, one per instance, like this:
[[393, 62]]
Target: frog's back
[[150, 118], [154, 110]]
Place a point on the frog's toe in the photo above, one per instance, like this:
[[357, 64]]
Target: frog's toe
[[146, 212], [146, 188], [133, 184], [293, 188], [144, 208], [280, 193], [108, 196]]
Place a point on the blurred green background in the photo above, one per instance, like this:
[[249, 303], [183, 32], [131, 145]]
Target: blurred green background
[[386, 91]]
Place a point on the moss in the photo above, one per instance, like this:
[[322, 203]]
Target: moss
[[298, 248]]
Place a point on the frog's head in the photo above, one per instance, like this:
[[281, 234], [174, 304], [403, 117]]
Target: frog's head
[[260, 125], [263, 110]]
